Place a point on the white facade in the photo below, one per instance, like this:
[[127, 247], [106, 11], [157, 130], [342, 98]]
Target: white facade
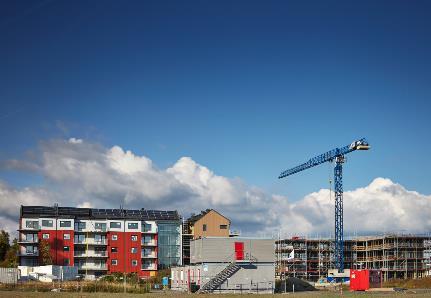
[[48, 273]]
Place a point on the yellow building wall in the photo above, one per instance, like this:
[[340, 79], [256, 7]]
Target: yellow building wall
[[213, 220]]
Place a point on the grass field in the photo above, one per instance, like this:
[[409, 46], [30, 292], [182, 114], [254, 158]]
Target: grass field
[[321, 294]]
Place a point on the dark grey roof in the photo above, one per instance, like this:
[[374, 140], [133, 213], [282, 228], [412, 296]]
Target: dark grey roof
[[83, 213], [194, 218]]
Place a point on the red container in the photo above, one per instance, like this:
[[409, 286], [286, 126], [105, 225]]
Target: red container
[[359, 280]]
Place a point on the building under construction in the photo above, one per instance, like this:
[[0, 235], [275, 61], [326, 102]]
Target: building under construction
[[397, 256]]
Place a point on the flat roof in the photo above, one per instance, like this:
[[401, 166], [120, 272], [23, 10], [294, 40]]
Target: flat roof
[[93, 213]]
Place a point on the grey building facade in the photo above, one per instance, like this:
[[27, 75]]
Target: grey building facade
[[228, 265]]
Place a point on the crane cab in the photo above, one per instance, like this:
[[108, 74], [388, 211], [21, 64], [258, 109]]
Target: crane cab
[[360, 145]]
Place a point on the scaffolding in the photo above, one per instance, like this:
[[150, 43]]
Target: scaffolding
[[397, 256]]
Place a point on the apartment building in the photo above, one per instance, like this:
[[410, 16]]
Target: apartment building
[[101, 241]]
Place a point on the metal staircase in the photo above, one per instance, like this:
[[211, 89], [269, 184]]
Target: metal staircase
[[219, 279]]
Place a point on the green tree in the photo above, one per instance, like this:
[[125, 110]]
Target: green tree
[[44, 251], [4, 244], [11, 257]]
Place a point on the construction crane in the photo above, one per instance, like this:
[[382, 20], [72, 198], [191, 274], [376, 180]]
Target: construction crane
[[336, 155]]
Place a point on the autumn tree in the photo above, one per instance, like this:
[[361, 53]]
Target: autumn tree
[[44, 251], [4, 244], [11, 257]]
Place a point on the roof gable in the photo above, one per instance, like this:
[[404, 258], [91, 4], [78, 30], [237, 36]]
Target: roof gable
[[195, 218]]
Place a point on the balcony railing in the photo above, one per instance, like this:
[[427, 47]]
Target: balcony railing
[[91, 230], [91, 241], [149, 256], [36, 240], [92, 267], [90, 254], [28, 254], [149, 243], [149, 267], [151, 230], [31, 228]]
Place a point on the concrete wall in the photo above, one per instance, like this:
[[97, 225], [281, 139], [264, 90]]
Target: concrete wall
[[253, 278], [211, 255], [220, 249]]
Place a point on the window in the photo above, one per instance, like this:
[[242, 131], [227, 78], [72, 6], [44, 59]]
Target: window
[[115, 225], [169, 244], [47, 223], [79, 238], [146, 227], [66, 248], [65, 223], [31, 237], [114, 262], [134, 238], [204, 227], [101, 226], [134, 250], [66, 262], [223, 227], [132, 225], [100, 239], [114, 249], [45, 236], [147, 240], [79, 226], [147, 252], [134, 263], [29, 249], [66, 236], [114, 237], [32, 224]]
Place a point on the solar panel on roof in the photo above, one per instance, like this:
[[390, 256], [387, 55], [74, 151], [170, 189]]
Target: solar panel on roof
[[141, 214]]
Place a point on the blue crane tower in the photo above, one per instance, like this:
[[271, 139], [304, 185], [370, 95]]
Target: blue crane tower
[[336, 155]]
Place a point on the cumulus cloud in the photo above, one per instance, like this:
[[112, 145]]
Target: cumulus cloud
[[86, 174], [11, 199]]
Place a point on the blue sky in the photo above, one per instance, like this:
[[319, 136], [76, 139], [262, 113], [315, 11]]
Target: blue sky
[[246, 88]]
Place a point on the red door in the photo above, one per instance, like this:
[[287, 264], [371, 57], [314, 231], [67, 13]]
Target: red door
[[239, 251]]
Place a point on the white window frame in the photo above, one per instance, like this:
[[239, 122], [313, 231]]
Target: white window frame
[[62, 222]]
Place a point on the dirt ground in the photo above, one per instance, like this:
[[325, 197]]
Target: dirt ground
[[321, 294]]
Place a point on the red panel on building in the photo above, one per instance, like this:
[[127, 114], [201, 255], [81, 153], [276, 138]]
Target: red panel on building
[[359, 280], [239, 251], [61, 246], [122, 248]]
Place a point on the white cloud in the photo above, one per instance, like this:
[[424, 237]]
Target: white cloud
[[85, 174], [75, 141]]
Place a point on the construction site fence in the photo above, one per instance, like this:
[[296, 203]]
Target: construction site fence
[[247, 288]]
